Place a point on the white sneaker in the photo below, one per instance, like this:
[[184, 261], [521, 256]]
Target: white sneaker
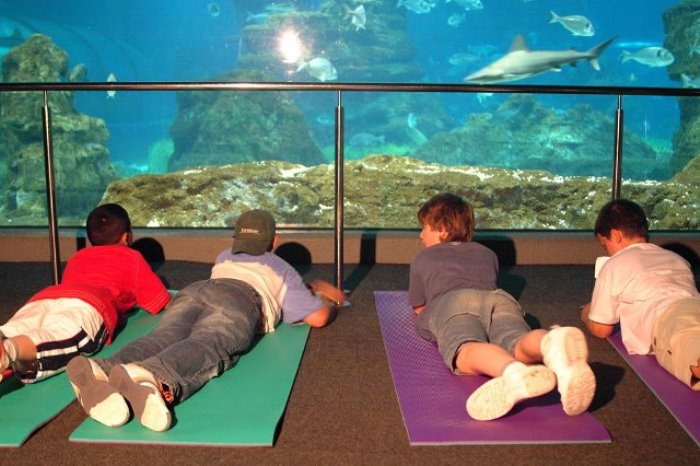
[[99, 400], [564, 350], [497, 397], [140, 389]]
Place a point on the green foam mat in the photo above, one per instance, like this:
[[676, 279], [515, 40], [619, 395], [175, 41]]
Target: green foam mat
[[25, 408], [242, 407]]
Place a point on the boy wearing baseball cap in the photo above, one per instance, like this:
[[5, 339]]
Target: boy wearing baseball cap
[[208, 326]]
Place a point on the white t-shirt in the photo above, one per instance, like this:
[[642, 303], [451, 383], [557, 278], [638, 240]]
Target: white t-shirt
[[635, 286], [284, 294]]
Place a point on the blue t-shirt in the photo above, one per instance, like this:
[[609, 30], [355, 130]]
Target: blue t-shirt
[[450, 266]]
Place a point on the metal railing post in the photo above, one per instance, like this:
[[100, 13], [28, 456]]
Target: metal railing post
[[339, 195], [51, 191], [617, 161]]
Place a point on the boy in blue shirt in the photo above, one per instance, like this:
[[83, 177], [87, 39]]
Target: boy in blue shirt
[[481, 329], [208, 326]]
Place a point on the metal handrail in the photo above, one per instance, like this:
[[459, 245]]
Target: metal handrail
[[344, 87], [46, 87]]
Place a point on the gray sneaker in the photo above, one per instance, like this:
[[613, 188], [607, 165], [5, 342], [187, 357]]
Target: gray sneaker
[[565, 352], [497, 397], [99, 400]]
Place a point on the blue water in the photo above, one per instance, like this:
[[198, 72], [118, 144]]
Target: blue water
[[150, 40]]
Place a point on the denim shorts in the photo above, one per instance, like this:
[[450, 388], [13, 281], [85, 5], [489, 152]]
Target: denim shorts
[[468, 315]]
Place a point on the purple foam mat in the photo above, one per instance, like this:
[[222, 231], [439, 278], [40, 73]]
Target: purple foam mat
[[432, 399], [680, 400]]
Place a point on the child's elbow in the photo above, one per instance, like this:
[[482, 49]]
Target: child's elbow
[[321, 317], [600, 330]]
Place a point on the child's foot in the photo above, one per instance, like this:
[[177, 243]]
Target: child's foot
[[497, 397], [140, 388], [99, 400], [564, 350], [5, 362]]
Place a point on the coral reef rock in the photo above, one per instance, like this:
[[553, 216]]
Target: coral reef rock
[[682, 25], [81, 160], [525, 134], [217, 128], [384, 192]]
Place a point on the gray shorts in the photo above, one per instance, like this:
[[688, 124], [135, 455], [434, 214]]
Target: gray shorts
[[462, 316]]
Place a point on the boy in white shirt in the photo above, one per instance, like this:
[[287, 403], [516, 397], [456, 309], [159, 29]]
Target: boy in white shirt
[[649, 290]]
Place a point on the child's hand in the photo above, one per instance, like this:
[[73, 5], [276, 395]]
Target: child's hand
[[323, 289]]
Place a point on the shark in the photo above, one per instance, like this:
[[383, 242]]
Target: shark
[[520, 62]]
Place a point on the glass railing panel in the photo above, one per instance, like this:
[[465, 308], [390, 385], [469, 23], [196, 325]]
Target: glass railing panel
[[526, 161], [663, 174]]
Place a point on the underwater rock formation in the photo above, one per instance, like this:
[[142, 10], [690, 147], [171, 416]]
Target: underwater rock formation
[[81, 160], [218, 128], [380, 50], [384, 191], [682, 24], [525, 134]]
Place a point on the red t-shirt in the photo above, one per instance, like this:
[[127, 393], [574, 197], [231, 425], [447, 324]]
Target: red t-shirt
[[113, 279]]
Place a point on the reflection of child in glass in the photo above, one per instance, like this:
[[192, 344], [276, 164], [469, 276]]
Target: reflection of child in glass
[[481, 329], [80, 315], [649, 290], [207, 327]]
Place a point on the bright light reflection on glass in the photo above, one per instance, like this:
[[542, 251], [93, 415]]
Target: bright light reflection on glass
[[290, 46]]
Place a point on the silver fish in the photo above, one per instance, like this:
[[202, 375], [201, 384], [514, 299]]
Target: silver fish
[[634, 44], [280, 8], [257, 18], [111, 79], [521, 62], [358, 17], [78, 73], [319, 68], [416, 6], [469, 4], [688, 82], [213, 9], [413, 132], [650, 56], [577, 24], [483, 97], [455, 19], [462, 59], [364, 139], [695, 48]]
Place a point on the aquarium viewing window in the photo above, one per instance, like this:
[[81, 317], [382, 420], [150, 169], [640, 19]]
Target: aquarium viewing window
[[188, 113]]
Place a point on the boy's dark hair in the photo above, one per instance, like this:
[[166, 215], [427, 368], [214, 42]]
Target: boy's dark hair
[[449, 212], [623, 215], [107, 223]]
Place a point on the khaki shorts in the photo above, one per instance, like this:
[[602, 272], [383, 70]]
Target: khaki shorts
[[676, 339]]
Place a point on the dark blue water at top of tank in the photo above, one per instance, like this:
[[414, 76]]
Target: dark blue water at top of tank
[[150, 40]]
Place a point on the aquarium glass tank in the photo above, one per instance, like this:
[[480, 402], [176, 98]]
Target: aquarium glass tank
[[197, 158]]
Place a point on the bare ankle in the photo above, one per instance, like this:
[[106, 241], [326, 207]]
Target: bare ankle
[[695, 370]]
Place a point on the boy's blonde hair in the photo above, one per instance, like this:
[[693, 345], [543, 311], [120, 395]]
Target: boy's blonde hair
[[449, 212]]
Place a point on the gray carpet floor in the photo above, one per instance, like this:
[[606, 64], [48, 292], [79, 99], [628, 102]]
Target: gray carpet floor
[[343, 408]]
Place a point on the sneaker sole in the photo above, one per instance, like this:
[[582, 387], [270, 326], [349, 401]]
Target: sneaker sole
[[99, 400], [576, 382], [497, 397], [146, 402]]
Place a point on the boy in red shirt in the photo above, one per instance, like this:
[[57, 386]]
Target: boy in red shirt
[[80, 315]]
